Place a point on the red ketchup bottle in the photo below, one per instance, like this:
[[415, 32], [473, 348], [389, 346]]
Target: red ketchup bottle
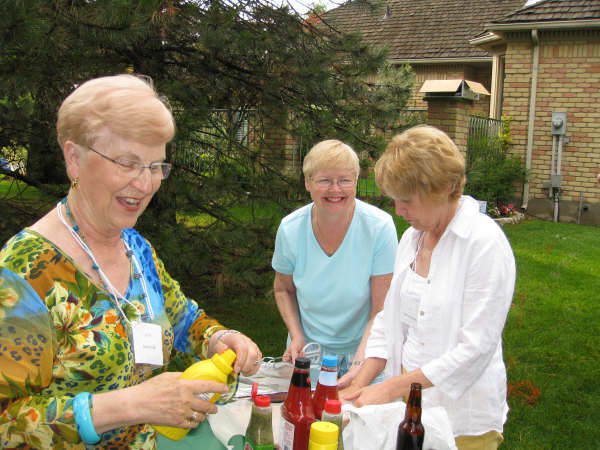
[[297, 412], [327, 385]]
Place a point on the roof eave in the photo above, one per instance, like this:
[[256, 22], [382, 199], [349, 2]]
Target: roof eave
[[463, 60], [560, 24], [491, 38]]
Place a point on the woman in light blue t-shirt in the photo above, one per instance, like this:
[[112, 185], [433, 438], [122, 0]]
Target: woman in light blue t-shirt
[[333, 261]]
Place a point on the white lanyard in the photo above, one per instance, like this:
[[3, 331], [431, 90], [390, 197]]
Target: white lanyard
[[117, 297]]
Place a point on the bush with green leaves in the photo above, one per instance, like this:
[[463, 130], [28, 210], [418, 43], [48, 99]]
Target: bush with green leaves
[[493, 174]]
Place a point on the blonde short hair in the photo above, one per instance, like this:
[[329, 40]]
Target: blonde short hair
[[422, 160], [330, 154], [124, 104]]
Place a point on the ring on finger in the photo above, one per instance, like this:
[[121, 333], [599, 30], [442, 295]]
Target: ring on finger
[[257, 362], [195, 417]]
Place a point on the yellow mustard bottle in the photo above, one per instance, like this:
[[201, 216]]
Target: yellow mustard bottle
[[218, 368], [323, 436]]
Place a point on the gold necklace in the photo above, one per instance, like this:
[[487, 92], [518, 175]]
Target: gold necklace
[[322, 235]]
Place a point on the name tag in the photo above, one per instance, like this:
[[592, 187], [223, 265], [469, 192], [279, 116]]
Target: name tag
[[147, 343]]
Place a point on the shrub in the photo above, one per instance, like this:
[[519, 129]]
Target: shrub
[[492, 172]]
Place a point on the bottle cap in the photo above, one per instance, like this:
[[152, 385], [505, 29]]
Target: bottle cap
[[330, 361], [262, 400], [302, 362], [333, 406], [323, 433], [224, 361]]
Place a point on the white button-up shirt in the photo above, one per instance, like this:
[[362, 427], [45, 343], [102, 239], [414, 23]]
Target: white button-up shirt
[[459, 323]]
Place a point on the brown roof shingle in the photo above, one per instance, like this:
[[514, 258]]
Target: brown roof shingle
[[418, 29], [553, 11]]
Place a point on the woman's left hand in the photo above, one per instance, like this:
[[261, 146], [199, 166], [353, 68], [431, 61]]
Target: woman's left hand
[[249, 356]]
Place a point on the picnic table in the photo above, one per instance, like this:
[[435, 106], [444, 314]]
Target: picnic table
[[228, 426]]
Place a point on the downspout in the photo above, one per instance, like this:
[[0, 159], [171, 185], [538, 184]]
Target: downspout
[[496, 80], [558, 164], [531, 122]]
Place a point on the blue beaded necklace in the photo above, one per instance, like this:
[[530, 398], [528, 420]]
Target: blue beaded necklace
[[117, 298]]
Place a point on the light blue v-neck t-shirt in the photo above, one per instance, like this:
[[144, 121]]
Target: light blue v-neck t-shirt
[[333, 292]]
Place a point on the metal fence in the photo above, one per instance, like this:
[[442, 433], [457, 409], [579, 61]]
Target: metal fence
[[483, 139], [218, 141]]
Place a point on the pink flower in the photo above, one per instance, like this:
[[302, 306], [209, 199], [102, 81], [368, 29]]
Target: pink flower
[[506, 210]]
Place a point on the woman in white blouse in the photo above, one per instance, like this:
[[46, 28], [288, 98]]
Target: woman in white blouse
[[452, 287]]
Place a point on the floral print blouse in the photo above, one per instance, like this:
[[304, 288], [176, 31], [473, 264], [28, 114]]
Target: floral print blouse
[[60, 334]]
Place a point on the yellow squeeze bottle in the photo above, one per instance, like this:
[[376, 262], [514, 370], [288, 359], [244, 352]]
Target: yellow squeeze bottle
[[217, 368], [323, 436]]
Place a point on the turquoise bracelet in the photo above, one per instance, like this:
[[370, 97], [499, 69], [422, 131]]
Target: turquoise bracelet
[[82, 411]]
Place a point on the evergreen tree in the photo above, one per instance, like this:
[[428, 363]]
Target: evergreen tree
[[303, 79]]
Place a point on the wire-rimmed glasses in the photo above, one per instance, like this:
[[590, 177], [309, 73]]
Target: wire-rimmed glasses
[[325, 183], [134, 169]]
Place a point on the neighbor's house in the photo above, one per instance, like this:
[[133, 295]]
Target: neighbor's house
[[551, 69], [430, 35], [533, 58]]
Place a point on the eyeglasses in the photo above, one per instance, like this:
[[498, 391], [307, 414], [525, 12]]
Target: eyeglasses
[[134, 169], [343, 183]]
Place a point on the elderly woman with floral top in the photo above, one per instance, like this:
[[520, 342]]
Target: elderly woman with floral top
[[89, 317]]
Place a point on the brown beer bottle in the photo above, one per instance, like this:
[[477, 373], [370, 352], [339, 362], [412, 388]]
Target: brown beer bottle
[[410, 430]]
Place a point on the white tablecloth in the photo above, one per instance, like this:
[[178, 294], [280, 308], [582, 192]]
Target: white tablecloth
[[375, 427], [372, 427]]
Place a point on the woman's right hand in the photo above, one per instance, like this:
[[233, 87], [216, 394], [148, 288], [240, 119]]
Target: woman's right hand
[[174, 401], [294, 350], [165, 399]]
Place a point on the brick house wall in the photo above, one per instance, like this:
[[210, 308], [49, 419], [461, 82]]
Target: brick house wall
[[568, 80], [451, 115]]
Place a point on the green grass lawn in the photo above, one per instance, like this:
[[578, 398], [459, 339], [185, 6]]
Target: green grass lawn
[[10, 188], [552, 337], [18, 192]]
